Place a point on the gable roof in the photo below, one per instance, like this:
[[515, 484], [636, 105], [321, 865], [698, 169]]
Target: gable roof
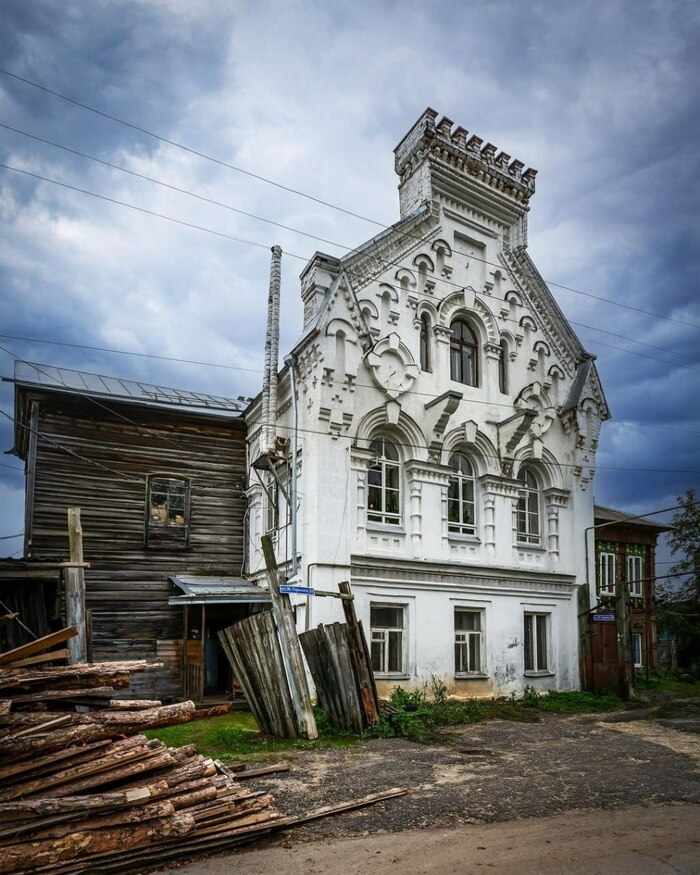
[[609, 514], [28, 375]]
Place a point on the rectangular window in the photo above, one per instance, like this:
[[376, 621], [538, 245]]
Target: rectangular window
[[635, 573], [637, 649], [536, 642], [167, 510], [387, 638], [467, 641], [607, 569]]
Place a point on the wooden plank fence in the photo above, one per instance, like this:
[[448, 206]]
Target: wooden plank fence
[[340, 677], [252, 647]]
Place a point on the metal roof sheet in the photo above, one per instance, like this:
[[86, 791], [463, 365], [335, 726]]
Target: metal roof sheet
[[100, 386], [198, 590]]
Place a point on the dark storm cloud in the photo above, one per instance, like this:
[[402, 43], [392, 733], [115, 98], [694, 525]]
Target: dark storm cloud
[[601, 98]]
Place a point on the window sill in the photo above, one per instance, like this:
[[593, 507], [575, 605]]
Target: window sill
[[386, 527], [464, 539], [537, 548], [475, 676], [388, 676], [544, 673]]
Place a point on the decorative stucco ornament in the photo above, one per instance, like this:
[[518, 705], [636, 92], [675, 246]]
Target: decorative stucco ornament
[[392, 365]]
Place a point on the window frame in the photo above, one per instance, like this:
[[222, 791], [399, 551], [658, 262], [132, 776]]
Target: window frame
[[637, 644], [526, 536], [383, 465], [539, 621], [382, 635], [503, 368], [165, 533], [634, 579], [424, 349], [468, 635], [607, 569], [462, 479], [458, 346]]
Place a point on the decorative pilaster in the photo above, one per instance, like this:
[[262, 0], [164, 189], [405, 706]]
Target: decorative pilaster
[[490, 522], [416, 488], [554, 500]]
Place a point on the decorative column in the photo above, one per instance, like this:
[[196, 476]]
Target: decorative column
[[490, 523], [416, 488], [359, 463], [500, 516], [554, 500], [493, 358], [444, 530]]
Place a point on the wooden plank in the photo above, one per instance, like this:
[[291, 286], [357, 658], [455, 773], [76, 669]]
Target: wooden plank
[[40, 658], [367, 687], [74, 587], [290, 647], [37, 646]]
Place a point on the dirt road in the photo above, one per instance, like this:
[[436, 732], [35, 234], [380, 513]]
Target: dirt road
[[630, 841], [570, 795]]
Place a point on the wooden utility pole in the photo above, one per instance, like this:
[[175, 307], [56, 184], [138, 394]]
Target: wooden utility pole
[[360, 656], [623, 632], [75, 589], [290, 646]]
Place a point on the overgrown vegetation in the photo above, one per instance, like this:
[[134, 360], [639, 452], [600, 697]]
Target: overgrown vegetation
[[671, 681], [418, 715]]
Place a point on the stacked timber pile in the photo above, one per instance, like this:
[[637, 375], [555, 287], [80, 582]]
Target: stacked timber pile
[[85, 791]]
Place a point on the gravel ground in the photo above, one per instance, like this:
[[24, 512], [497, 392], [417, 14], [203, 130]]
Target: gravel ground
[[495, 771]]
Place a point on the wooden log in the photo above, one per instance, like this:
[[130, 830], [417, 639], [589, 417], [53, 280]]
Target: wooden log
[[38, 855], [136, 814], [19, 748], [44, 726], [51, 762], [53, 695], [353, 804], [133, 704], [38, 808], [72, 674], [263, 770], [38, 645], [51, 656], [149, 762]]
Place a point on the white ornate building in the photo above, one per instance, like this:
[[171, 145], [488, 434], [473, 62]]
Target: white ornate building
[[448, 419]]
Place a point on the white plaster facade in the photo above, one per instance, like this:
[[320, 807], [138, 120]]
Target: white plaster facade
[[457, 255]]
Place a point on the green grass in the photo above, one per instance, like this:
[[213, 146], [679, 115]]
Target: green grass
[[235, 736], [671, 682], [418, 717]]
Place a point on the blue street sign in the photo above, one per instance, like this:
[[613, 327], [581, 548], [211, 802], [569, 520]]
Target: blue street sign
[[301, 590], [604, 618]]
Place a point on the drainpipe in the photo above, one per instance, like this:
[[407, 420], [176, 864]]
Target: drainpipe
[[269, 397], [289, 361]]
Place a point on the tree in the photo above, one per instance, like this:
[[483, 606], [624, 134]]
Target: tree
[[679, 600]]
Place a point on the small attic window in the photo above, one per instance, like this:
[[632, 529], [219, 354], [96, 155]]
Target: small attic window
[[167, 511]]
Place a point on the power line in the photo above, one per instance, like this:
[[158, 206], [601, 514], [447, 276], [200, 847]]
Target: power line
[[11, 537], [301, 257], [70, 452], [190, 150], [339, 382], [302, 194], [11, 467], [173, 187], [295, 230], [177, 444], [493, 457], [111, 200]]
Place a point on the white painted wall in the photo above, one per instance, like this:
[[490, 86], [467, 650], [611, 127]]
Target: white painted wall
[[358, 378]]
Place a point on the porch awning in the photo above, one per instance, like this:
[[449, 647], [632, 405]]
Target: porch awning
[[199, 590]]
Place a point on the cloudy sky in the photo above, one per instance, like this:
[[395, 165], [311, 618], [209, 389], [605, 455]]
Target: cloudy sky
[[600, 96]]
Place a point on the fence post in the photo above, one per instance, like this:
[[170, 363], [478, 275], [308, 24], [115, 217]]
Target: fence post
[[75, 589], [360, 655]]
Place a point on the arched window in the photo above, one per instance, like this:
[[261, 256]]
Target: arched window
[[384, 482], [503, 368], [461, 504], [425, 343], [528, 524], [464, 354]]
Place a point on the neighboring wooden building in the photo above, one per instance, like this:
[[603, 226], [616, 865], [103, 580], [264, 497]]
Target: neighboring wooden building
[[159, 475], [626, 552]]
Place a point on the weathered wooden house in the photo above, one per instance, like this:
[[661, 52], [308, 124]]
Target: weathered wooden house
[[159, 475]]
